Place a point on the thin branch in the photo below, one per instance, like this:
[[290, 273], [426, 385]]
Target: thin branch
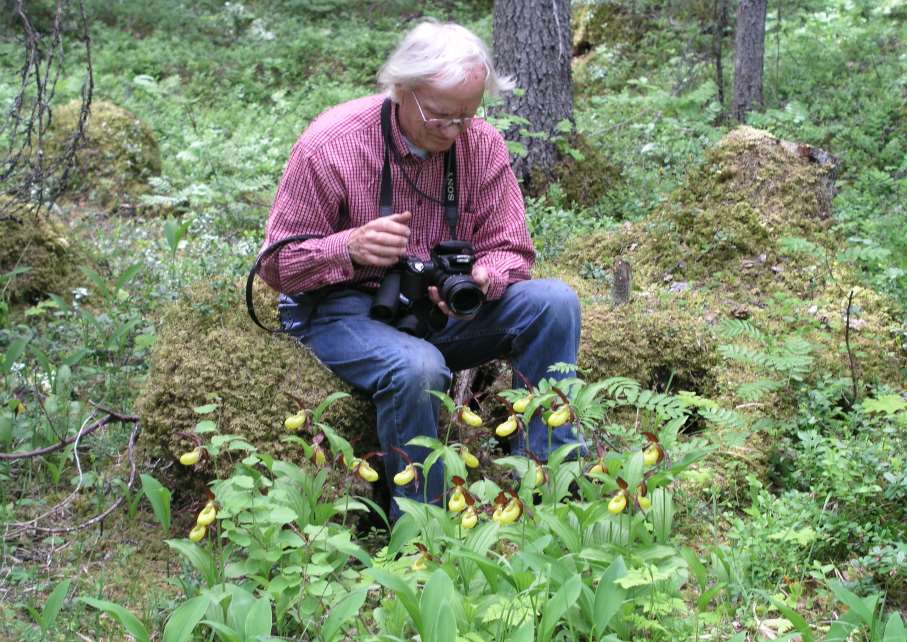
[[24, 527], [853, 367], [30, 454]]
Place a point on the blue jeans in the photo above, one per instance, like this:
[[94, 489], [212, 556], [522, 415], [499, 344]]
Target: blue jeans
[[536, 323]]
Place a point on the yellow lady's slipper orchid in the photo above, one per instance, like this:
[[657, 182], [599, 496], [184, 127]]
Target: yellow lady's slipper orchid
[[644, 502], [651, 455], [507, 427], [468, 458], [192, 457], [507, 514], [457, 501], [469, 518], [559, 417], [318, 456], [295, 422], [197, 533], [618, 503], [366, 472], [207, 516], [520, 404], [405, 476], [470, 418], [597, 469], [419, 564]]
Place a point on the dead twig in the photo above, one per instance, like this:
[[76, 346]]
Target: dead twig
[[853, 367]]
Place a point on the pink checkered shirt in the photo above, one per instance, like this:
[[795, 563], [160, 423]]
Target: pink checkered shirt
[[331, 183]]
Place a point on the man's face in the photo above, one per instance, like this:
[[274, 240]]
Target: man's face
[[459, 101]]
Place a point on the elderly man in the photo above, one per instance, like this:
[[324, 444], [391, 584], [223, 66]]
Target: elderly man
[[370, 193]]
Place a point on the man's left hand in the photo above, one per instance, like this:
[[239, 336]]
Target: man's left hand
[[479, 275]]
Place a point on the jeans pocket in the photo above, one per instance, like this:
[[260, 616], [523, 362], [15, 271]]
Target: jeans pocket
[[295, 314]]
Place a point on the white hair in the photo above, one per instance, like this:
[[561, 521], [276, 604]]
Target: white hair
[[440, 54]]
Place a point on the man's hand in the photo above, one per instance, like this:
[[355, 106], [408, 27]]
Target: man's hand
[[380, 242], [479, 275]]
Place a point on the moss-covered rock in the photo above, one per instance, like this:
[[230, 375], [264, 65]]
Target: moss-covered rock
[[748, 237], [208, 350], [33, 238], [116, 159]]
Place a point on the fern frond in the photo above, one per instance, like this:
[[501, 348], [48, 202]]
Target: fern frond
[[730, 329], [723, 418], [755, 390]]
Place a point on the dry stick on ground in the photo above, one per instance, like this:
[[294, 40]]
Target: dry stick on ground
[[15, 529], [853, 368]]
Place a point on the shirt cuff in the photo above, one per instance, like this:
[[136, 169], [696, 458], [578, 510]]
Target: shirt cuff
[[497, 284], [337, 256]]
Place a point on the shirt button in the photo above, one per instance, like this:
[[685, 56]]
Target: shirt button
[[419, 203]]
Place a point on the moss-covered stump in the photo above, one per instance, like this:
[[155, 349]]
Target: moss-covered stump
[[116, 159], [207, 350], [33, 238]]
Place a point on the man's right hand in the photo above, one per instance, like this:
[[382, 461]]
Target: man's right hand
[[380, 242]]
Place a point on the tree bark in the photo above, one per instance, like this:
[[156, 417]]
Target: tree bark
[[532, 45], [749, 57], [721, 25]]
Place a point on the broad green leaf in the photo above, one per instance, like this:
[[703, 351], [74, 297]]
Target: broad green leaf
[[199, 557], [126, 619], [53, 604], [185, 618], [127, 275], [12, 354], [894, 629], [402, 590], [207, 409], [326, 403], [555, 609], [662, 514], [258, 621], [795, 619], [437, 606], [449, 404], [853, 602], [159, 497], [609, 596], [404, 531], [342, 612], [224, 632], [632, 470]]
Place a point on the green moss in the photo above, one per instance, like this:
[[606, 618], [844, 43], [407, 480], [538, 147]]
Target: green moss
[[206, 351], [114, 162], [586, 180], [33, 238]]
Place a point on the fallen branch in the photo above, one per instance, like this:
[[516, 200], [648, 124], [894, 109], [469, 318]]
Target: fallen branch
[[15, 529], [38, 452], [853, 367]]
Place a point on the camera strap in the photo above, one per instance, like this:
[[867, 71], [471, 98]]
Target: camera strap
[[449, 199], [268, 251]]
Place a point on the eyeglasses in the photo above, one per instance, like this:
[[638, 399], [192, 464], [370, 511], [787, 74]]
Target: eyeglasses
[[442, 123]]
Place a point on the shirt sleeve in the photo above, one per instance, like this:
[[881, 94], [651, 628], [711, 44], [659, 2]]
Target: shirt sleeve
[[308, 201], [502, 242]]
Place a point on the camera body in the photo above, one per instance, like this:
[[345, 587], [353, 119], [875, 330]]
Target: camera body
[[402, 300]]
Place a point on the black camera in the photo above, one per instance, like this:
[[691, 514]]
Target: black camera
[[402, 300]]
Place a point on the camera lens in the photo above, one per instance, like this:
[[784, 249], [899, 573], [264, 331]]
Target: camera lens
[[462, 295]]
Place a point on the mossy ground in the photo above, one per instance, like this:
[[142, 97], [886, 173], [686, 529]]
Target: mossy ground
[[115, 160]]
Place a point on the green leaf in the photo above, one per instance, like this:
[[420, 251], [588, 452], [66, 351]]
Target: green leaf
[[449, 404], [632, 470], [199, 557], [224, 632], [207, 409], [126, 619], [258, 621], [205, 426], [555, 609], [127, 275], [53, 604], [894, 629], [159, 497], [324, 405], [185, 618], [402, 590], [853, 602], [436, 607], [342, 612], [609, 596], [405, 530], [12, 354], [795, 619], [662, 514], [888, 404]]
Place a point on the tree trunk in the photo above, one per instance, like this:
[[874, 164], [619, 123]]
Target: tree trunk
[[749, 55], [721, 25], [532, 45]]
